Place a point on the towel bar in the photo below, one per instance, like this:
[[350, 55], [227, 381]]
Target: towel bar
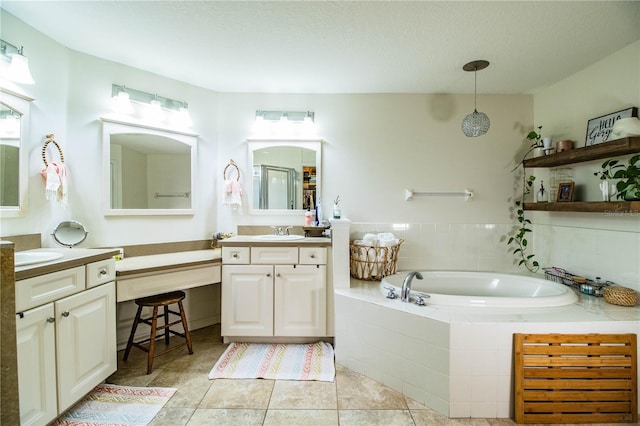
[[179, 194], [410, 193]]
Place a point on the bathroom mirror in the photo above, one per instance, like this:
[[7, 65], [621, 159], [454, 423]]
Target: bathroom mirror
[[14, 175], [286, 175], [69, 233], [147, 170]]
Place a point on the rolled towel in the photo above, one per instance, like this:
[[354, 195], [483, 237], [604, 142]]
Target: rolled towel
[[370, 239]]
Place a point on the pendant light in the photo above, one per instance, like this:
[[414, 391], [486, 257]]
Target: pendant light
[[477, 123]]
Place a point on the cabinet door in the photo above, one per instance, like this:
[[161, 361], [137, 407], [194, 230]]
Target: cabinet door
[[35, 336], [86, 342], [300, 300], [247, 300]]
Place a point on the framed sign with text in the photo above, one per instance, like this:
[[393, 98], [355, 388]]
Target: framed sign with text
[[599, 129]]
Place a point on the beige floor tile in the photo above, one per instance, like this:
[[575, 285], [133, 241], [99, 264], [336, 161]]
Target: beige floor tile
[[375, 417], [301, 418], [357, 392], [226, 417], [192, 386], [172, 416], [414, 405], [205, 354], [291, 394], [432, 418], [238, 393], [501, 422]]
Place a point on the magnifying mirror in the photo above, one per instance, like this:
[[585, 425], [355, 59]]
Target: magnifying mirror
[[69, 233]]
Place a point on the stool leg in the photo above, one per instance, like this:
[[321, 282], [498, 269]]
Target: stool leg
[[136, 320], [152, 341], [187, 335], [166, 327]]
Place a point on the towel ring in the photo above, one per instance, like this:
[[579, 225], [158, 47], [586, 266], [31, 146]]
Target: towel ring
[[231, 163], [44, 150]]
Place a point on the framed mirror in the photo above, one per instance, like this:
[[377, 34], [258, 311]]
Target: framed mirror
[[14, 137], [286, 175], [147, 170]]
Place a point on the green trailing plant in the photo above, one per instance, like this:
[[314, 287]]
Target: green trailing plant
[[519, 240], [629, 184]]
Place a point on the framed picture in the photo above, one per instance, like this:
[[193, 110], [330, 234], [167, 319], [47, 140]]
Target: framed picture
[[599, 129], [565, 191]]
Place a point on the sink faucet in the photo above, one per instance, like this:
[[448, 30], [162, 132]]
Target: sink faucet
[[281, 230], [406, 285]]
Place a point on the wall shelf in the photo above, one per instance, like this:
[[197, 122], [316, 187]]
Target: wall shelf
[[615, 207], [611, 149], [614, 148]]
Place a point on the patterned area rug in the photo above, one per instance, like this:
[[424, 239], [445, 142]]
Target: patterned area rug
[[116, 406], [276, 361]]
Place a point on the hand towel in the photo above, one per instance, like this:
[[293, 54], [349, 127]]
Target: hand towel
[[55, 175], [232, 193]]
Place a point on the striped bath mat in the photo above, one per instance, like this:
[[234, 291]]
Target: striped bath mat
[[276, 361], [117, 406]]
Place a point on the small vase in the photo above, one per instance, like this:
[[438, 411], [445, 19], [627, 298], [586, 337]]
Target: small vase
[[336, 212], [608, 190]]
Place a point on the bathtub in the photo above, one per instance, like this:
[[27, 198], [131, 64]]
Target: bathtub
[[485, 289], [455, 355]]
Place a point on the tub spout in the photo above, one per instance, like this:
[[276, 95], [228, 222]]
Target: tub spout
[[405, 294]]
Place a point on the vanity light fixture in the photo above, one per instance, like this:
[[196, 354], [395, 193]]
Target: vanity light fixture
[[477, 123], [124, 97], [18, 69], [291, 116]]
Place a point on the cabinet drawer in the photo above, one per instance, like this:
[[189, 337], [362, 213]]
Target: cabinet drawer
[[101, 272], [313, 255], [235, 255], [43, 289], [274, 255]]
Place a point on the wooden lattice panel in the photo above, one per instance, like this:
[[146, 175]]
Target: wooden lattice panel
[[576, 378]]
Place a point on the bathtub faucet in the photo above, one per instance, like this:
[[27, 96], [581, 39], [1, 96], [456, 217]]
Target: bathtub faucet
[[406, 285]]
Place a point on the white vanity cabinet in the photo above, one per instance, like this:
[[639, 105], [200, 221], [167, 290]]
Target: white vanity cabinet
[[65, 345], [274, 291]]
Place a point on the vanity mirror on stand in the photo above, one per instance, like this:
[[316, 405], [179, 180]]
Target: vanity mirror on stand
[[14, 150], [286, 175], [69, 233], [147, 170]]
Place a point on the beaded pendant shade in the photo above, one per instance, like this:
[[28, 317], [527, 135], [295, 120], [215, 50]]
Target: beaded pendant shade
[[477, 123]]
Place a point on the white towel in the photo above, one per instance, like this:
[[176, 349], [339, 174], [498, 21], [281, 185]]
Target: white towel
[[55, 175], [232, 193]]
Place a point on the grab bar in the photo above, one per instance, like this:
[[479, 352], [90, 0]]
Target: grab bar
[[410, 193]]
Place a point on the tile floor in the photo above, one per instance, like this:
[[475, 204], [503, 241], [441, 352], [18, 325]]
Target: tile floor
[[352, 399]]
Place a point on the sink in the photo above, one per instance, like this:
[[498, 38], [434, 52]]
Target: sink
[[271, 237], [30, 257]]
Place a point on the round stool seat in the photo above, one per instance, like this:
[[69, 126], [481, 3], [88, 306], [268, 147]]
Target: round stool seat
[[161, 299]]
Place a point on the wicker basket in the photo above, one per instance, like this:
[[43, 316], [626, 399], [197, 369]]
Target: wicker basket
[[618, 295], [372, 263]]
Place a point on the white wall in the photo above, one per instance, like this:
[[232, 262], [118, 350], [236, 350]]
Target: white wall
[[72, 91], [591, 244]]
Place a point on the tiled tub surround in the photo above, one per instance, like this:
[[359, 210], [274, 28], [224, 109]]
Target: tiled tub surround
[[457, 361], [612, 255]]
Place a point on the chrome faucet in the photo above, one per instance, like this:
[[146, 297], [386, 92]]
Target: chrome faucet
[[405, 293], [281, 230]]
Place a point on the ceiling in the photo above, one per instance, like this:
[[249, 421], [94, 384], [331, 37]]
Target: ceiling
[[343, 46]]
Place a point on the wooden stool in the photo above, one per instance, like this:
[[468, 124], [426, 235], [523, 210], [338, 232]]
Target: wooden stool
[[156, 301]]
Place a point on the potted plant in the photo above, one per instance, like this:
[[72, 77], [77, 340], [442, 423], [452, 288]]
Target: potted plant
[[628, 185]]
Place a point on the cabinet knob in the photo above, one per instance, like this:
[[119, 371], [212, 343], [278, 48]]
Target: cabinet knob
[[65, 314], [102, 272], [234, 255], [312, 255], [278, 274], [268, 274], [20, 315], [51, 320]]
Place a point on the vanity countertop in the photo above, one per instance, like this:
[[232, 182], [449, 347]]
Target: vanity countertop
[[71, 257], [159, 262], [251, 240]]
